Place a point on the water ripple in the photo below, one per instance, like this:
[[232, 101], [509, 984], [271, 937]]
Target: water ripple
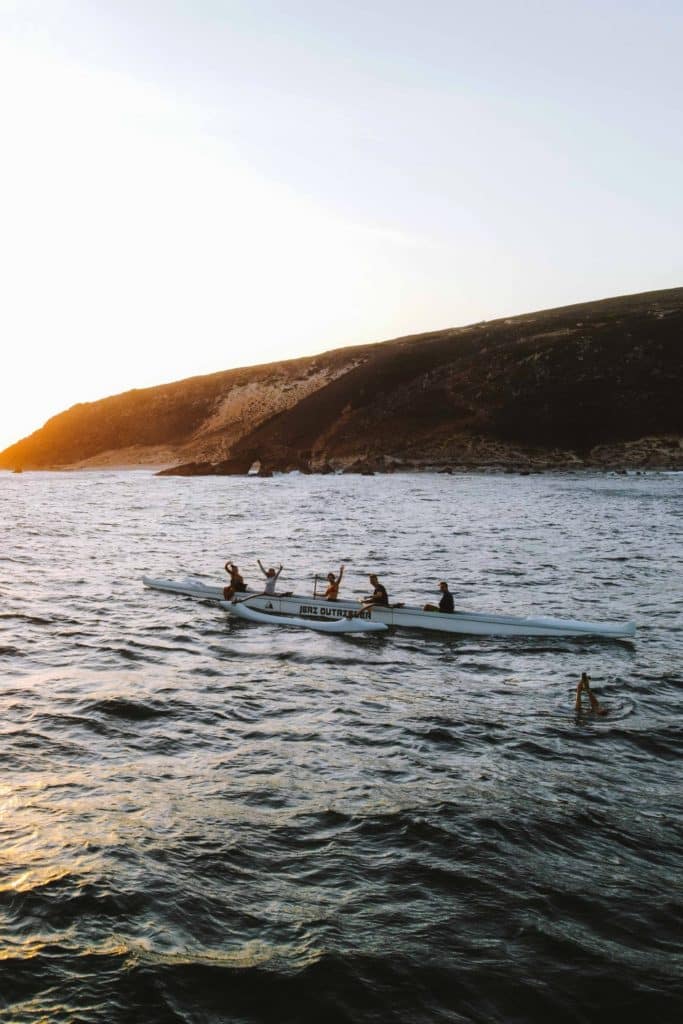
[[203, 821]]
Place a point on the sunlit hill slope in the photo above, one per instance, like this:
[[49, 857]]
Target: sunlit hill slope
[[592, 384]]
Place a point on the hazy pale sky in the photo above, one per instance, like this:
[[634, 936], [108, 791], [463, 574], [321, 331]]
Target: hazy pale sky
[[190, 186]]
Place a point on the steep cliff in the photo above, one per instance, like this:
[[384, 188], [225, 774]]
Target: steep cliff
[[597, 382]]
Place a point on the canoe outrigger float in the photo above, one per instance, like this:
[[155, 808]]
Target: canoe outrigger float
[[295, 609], [341, 624]]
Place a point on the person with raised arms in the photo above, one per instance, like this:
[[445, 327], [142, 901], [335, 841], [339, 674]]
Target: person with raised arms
[[271, 578], [237, 584], [332, 591]]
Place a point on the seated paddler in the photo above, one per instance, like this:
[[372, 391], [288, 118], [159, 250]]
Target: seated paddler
[[446, 602], [237, 584], [379, 597], [332, 590], [271, 575]]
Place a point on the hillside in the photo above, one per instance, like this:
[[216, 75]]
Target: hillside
[[597, 383]]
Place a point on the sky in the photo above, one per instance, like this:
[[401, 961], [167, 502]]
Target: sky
[[191, 186]]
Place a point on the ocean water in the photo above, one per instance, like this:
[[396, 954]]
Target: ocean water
[[212, 821]]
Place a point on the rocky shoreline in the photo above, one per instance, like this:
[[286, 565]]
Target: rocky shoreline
[[645, 454]]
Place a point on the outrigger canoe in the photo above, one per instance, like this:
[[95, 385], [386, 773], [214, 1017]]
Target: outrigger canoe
[[404, 616]]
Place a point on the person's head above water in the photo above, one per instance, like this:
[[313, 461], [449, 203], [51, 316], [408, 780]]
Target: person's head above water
[[443, 585], [373, 577], [331, 577], [271, 572]]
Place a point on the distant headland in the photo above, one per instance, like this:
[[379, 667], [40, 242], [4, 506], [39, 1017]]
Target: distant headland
[[595, 385]]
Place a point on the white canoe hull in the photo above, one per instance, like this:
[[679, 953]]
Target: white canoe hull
[[472, 623], [190, 587]]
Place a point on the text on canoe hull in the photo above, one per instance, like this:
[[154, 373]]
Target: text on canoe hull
[[330, 613]]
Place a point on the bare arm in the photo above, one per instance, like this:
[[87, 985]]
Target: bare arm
[[596, 706], [341, 573], [260, 565], [278, 572]]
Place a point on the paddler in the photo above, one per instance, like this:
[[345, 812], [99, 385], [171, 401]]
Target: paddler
[[271, 578], [446, 602], [332, 591], [237, 584], [379, 596], [584, 687]]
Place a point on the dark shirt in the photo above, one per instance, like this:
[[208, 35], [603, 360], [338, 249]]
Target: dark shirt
[[446, 602], [379, 595]]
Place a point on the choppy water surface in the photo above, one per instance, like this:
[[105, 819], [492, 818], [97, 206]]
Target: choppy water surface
[[205, 820]]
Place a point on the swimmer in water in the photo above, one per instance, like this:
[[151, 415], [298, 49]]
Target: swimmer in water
[[584, 687]]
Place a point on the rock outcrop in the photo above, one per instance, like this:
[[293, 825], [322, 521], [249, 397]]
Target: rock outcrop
[[597, 384]]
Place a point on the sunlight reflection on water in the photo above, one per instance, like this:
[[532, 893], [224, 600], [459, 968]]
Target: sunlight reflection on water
[[204, 819]]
